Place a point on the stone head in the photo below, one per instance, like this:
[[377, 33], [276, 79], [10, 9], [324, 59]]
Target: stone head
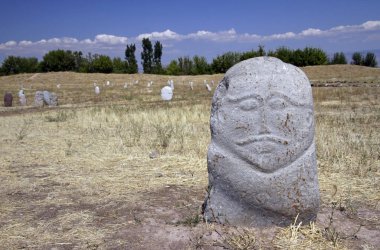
[[262, 113]]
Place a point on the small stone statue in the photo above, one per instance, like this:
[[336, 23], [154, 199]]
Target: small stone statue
[[8, 99]]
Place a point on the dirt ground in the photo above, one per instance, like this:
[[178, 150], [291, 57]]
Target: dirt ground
[[105, 175], [166, 218]]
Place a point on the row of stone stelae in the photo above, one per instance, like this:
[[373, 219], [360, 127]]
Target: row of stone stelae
[[46, 98]]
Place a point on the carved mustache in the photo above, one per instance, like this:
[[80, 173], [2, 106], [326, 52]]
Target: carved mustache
[[259, 138]]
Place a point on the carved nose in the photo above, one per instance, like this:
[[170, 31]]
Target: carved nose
[[263, 126]]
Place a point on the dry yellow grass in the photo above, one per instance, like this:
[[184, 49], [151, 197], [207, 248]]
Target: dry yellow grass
[[78, 89], [81, 176], [342, 73]]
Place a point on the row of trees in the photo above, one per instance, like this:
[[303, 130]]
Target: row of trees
[[306, 57], [66, 60], [60, 60], [368, 60]]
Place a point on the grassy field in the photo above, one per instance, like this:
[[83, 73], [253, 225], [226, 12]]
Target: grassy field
[[125, 170]]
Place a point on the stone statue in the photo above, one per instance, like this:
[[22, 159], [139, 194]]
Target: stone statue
[[45, 98], [8, 99], [261, 159]]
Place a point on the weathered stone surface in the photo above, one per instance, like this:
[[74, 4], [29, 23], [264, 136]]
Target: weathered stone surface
[[261, 159], [45, 98], [50, 98], [8, 99], [22, 99], [167, 93], [39, 99], [53, 99]]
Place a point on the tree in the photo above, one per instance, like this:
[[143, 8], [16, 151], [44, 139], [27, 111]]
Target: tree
[[297, 58], [261, 50], [370, 60], [58, 60], [186, 65], [253, 53], [79, 60], [200, 66], [157, 67], [339, 58], [284, 54], [102, 64], [248, 55], [173, 68], [130, 58], [357, 59], [87, 64], [118, 65], [222, 63], [147, 55], [314, 56], [16, 65]]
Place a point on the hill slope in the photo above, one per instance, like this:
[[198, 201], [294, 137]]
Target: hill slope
[[342, 73], [78, 88]]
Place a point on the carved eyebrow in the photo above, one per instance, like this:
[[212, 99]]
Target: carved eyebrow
[[288, 99], [275, 94], [243, 97]]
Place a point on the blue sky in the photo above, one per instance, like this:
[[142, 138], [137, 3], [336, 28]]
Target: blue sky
[[186, 28]]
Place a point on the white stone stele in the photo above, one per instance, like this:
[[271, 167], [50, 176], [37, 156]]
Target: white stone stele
[[50, 98], [172, 84], [208, 87], [261, 159], [39, 99], [97, 90], [166, 93], [45, 97], [22, 99]]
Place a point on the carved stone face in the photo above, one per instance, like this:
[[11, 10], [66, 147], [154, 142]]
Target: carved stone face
[[263, 113]]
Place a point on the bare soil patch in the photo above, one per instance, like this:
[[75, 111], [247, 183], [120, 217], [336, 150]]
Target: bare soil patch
[[80, 176]]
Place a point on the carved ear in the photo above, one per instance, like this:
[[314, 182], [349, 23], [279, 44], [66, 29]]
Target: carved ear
[[219, 94], [226, 82], [309, 119]]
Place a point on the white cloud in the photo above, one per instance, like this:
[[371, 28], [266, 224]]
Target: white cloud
[[371, 25], [311, 32], [165, 35], [69, 40], [104, 43], [287, 35], [202, 34], [110, 39], [250, 37], [25, 43], [366, 26], [87, 41], [10, 43], [54, 41], [227, 35], [43, 41]]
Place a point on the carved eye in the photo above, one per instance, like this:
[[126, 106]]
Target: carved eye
[[277, 103], [249, 104]]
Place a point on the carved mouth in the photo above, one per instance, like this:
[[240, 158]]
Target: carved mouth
[[267, 142], [264, 147]]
